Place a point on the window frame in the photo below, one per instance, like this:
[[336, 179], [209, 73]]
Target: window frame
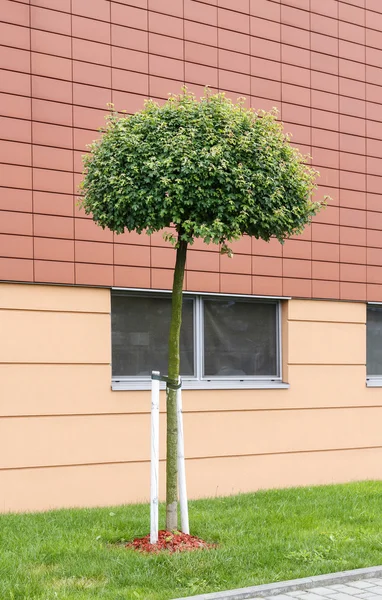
[[372, 380], [154, 294], [201, 347], [198, 381]]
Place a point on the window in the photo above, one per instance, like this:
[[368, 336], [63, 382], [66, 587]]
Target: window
[[226, 341], [374, 345], [140, 328], [240, 338]]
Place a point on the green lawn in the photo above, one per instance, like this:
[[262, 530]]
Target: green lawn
[[263, 537]]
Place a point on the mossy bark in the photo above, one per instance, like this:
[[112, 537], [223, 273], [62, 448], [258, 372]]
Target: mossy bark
[[173, 374]]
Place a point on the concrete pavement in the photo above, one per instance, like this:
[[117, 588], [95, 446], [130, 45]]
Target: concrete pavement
[[362, 584], [364, 589]]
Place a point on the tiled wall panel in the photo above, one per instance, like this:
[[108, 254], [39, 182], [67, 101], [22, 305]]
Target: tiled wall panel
[[319, 63]]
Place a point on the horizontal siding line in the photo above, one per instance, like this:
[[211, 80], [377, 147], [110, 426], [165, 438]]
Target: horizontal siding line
[[332, 169], [184, 60], [96, 464], [8, 187], [295, 320], [84, 415], [313, 147], [52, 310], [286, 452], [280, 62], [225, 272], [182, 18], [308, 127], [5, 187], [276, 2], [188, 81], [55, 310], [30, 282], [285, 124], [252, 37], [329, 298], [191, 411], [334, 365], [191, 458], [145, 96], [84, 364], [346, 299], [116, 264], [148, 12], [93, 240], [332, 187], [316, 364], [45, 365], [313, 164], [322, 278], [72, 171], [222, 272]]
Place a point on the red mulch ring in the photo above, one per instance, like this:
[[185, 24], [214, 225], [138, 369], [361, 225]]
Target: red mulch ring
[[172, 542]]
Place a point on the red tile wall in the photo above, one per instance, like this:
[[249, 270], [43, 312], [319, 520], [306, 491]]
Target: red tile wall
[[61, 61]]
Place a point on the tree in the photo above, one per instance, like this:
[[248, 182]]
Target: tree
[[211, 169]]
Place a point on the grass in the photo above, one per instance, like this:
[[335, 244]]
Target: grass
[[262, 537]]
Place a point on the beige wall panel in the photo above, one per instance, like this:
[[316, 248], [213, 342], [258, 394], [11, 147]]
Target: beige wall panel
[[311, 386], [326, 343], [50, 337], [329, 385], [85, 389], [95, 485], [43, 389], [54, 297], [259, 432], [323, 310], [64, 389], [225, 476], [50, 441], [101, 485]]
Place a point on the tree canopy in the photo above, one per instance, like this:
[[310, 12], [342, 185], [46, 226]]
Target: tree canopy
[[212, 168]]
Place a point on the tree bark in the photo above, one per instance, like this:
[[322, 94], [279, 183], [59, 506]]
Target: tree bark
[[173, 375]]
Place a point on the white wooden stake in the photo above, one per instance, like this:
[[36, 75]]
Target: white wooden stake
[[154, 490], [181, 466]]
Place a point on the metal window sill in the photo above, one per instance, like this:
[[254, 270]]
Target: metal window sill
[[374, 382], [217, 384]]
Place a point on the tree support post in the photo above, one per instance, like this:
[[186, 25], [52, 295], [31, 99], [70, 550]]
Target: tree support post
[[154, 488], [184, 522]]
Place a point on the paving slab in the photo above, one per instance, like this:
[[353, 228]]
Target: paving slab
[[361, 584]]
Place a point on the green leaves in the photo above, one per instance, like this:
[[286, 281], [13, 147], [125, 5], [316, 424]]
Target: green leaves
[[212, 168]]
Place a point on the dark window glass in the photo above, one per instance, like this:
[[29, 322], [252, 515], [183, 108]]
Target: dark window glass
[[240, 338], [374, 340], [140, 330]]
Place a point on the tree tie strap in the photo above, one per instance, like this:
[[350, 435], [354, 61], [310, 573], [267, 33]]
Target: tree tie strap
[[170, 383]]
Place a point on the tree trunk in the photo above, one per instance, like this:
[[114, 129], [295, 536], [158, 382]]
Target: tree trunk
[[173, 375]]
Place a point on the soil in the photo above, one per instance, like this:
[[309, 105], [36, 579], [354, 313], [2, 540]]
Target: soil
[[170, 541]]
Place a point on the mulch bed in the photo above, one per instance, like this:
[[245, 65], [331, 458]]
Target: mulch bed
[[170, 541]]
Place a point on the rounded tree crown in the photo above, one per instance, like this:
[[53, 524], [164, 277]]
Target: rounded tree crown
[[210, 167]]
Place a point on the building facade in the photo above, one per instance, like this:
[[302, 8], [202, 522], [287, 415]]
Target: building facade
[[281, 345]]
